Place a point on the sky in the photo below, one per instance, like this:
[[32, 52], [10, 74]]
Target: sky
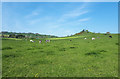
[[60, 18]]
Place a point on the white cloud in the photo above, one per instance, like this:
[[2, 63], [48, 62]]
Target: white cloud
[[35, 12], [57, 25], [74, 13], [32, 14], [85, 19], [34, 21], [47, 20]]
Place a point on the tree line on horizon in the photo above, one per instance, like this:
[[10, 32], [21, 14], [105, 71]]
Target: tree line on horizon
[[37, 35], [24, 35]]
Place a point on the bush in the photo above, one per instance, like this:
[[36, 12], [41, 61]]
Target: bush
[[12, 36], [20, 36]]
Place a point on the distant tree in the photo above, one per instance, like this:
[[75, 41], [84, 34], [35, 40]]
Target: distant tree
[[26, 36], [2, 36], [3, 32], [87, 31], [37, 33], [107, 33], [93, 32], [67, 35], [20, 36], [12, 36], [83, 30], [32, 38]]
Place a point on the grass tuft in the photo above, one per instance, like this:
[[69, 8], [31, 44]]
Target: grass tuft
[[50, 52], [92, 53], [62, 49], [103, 51], [10, 56], [117, 44], [72, 47], [6, 48]]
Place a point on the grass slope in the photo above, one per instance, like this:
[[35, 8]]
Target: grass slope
[[61, 58]]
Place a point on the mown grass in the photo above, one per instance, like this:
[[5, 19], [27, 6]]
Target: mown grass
[[66, 37], [61, 58]]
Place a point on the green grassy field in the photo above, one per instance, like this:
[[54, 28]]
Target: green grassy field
[[61, 57]]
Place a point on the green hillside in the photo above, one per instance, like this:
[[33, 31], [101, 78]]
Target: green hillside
[[61, 57]]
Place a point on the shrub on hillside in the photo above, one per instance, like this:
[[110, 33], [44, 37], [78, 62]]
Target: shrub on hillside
[[20, 36], [12, 36]]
